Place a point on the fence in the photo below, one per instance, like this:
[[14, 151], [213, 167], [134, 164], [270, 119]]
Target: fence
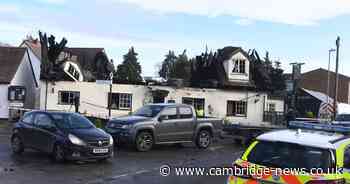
[[276, 118]]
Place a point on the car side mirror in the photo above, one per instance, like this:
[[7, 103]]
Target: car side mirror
[[161, 118]]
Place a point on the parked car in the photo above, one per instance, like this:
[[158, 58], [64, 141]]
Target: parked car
[[164, 124], [64, 135]]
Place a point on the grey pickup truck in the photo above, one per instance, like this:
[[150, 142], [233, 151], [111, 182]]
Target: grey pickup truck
[[164, 124]]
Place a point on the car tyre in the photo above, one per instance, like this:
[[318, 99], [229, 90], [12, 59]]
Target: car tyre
[[58, 154], [203, 139], [17, 145], [144, 141]]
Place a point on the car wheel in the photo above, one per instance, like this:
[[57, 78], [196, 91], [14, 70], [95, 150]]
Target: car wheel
[[203, 139], [144, 141], [17, 145], [58, 153]]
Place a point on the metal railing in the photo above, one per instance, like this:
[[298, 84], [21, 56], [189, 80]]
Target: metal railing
[[273, 117]]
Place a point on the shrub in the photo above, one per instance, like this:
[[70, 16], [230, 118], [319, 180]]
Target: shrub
[[309, 114], [98, 123]]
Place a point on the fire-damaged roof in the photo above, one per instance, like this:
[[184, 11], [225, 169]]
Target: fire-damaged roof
[[93, 62], [10, 59]]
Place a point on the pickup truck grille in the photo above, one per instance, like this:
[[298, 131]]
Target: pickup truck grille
[[99, 143]]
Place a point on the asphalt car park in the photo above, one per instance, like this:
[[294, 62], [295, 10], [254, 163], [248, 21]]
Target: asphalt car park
[[126, 166]]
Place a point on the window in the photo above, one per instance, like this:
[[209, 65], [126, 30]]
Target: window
[[347, 158], [238, 66], [169, 113], [236, 108], [28, 119], [197, 103], [68, 97], [42, 120], [185, 112], [272, 107], [120, 101], [73, 72], [16, 93], [287, 155]]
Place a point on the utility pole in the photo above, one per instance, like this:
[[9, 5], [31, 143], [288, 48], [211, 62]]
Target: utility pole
[[335, 99]]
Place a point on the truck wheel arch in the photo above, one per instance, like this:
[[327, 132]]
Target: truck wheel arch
[[207, 128], [145, 130]]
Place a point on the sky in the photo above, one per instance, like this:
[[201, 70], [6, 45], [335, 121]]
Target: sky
[[290, 30]]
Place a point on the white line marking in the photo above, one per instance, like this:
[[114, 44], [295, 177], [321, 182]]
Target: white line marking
[[142, 171], [119, 176], [215, 148]]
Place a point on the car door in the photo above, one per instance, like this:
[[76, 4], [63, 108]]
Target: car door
[[165, 128], [26, 129], [346, 163], [44, 134], [185, 124]]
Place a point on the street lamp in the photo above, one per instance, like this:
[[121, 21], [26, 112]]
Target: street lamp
[[328, 72]]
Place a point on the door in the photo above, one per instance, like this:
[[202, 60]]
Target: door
[[166, 131], [185, 124], [44, 132], [26, 131]]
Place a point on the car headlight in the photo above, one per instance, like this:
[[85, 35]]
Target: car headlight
[[75, 140], [111, 140], [126, 126]]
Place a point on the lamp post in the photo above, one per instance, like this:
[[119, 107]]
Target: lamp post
[[110, 95], [336, 78], [328, 72]]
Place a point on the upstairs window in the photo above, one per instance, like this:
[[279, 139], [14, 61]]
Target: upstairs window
[[68, 97], [120, 101], [236, 108], [239, 66]]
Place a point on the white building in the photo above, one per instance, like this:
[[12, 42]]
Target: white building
[[235, 105], [242, 104], [19, 79]]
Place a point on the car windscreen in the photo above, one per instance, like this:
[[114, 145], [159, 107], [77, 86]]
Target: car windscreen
[[343, 117], [72, 121], [149, 111], [290, 156]]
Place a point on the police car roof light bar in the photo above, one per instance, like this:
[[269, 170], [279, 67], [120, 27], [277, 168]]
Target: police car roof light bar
[[319, 126]]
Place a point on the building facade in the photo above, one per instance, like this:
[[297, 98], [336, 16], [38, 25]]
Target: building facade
[[235, 105], [19, 84], [316, 80]]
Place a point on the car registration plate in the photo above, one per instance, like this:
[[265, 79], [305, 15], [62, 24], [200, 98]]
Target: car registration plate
[[100, 150]]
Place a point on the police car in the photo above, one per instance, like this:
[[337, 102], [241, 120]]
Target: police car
[[311, 153]]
